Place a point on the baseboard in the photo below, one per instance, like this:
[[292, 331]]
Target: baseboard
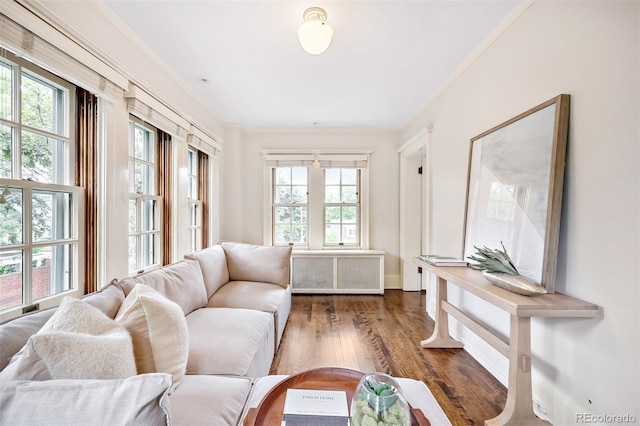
[[392, 282]]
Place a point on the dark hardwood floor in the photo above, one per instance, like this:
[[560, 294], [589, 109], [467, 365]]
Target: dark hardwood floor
[[383, 333]]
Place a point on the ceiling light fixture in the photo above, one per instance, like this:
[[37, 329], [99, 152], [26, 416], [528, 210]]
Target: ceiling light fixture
[[315, 33]]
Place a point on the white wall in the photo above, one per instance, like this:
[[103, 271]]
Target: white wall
[[590, 51], [244, 167]]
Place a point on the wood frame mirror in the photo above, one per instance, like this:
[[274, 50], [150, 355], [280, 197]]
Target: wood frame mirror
[[514, 189]]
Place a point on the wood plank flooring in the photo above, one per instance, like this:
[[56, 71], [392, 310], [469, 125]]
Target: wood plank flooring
[[383, 333]]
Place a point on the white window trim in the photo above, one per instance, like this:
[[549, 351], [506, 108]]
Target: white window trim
[[76, 239], [315, 160], [146, 107], [32, 38]]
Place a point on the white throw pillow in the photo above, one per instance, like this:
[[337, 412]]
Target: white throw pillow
[[159, 332], [78, 342], [137, 400]]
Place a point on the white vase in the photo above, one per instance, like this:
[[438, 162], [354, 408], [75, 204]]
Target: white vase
[[515, 283]]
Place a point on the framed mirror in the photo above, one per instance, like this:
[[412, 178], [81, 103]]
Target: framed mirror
[[514, 189]]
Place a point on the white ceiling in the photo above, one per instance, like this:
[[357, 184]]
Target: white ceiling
[[386, 58]]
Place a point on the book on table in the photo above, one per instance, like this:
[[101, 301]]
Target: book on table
[[303, 407], [437, 260]]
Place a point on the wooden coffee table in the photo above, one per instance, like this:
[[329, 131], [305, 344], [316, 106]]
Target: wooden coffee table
[[269, 411]]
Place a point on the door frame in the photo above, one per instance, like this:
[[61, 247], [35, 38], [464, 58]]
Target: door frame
[[415, 206]]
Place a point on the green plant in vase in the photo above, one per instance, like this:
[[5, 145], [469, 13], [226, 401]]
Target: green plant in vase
[[498, 268], [378, 401]]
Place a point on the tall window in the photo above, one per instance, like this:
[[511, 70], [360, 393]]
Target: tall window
[[145, 205], [290, 205], [317, 201], [198, 166], [341, 207], [41, 225]]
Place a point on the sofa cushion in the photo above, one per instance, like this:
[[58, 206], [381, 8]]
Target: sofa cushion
[[15, 333], [247, 262], [78, 342], [159, 332], [108, 300], [213, 264], [180, 282], [209, 400], [86, 402], [249, 295], [230, 341]]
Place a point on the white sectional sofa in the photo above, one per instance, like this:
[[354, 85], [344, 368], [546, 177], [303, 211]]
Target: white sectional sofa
[[201, 330]]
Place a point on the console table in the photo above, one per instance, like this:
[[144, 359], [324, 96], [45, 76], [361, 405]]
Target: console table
[[518, 409]]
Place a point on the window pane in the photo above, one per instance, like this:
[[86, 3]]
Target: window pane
[[332, 233], [283, 175], [133, 217], [192, 214], [193, 188], [299, 234], [149, 216], [42, 158], [42, 105], [143, 179], [282, 233], [349, 214], [349, 234], [51, 218], [6, 101], [299, 194], [332, 214], [349, 176], [11, 214], [133, 253], [10, 279], [291, 234], [332, 176], [147, 250], [283, 214], [349, 194], [332, 194], [299, 215], [143, 147], [50, 270], [5, 152], [282, 194], [299, 176]]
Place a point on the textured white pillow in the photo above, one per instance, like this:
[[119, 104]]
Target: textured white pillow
[[78, 342], [159, 332]]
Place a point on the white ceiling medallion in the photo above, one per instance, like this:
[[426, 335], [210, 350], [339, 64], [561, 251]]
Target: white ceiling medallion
[[315, 33]]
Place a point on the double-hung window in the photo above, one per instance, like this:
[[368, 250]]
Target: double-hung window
[[317, 201], [290, 205], [342, 207], [197, 171], [145, 205], [41, 226]]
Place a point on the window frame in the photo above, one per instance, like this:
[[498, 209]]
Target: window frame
[[315, 162], [291, 205], [195, 205], [141, 199], [65, 170], [341, 243]]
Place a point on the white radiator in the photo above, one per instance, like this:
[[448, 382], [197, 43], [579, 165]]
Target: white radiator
[[359, 271]]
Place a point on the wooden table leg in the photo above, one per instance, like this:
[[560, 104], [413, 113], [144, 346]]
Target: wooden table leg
[[440, 337], [518, 409]]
